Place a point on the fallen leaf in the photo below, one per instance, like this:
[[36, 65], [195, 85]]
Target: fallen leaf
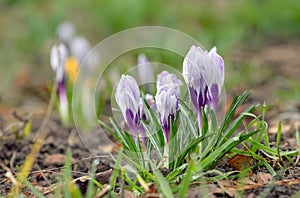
[[240, 162], [228, 186], [46, 190], [152, 192], [127, 194], [117, 147], [56, 159], [264, 178]]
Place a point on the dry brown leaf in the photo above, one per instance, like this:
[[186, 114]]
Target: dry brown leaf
[[228, 186], [240, 162], [46, 190], [152, 192], [56, 159], [264, 178], [127, 194]]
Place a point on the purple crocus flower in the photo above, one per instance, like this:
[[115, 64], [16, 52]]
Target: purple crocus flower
[[128, 98], [204, 74], [167, 106], [145, 72], [170, 80], [215, 78], [58, 57]]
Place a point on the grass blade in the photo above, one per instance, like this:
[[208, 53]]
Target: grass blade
[[33, 189], [186, 181], [160, 179], [67, 174], [278, 140]]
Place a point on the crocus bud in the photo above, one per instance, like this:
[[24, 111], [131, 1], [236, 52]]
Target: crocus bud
[[150, 99], [66, 31], [142, 114], [195, 66], [167, 106], [215, 79], [79, 48], [128, 98], [145, 72], [58, 57], [170, 80], [204, 74]]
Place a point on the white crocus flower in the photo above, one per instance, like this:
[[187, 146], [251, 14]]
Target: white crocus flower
[[79, 48], [66, 32], [203, 72], [170, 80], [128, 98], [167, 106], [58, 57]]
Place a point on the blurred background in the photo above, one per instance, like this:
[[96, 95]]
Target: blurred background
[[258, 39]]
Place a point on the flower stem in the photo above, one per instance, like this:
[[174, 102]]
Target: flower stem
[[200, 121], [63, 100]]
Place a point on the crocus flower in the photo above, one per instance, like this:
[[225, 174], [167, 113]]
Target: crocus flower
[[128, 98], [216, 80], [141, 111], [145, 71], [167, 106], [170, 80], [150, 100], [66, 32], [79, 48], [58, 57], [204, 74]]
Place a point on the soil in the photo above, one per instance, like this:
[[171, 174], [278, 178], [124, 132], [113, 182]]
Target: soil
[[283, 60]]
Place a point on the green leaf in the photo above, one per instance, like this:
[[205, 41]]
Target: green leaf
[[137, 165], [263, 161], [153, 140], [188, 115], [189, 148], [298, 137], [33, 189], [186, 181], [175, 172], [91, 187], [223, 136], [105, 126], [223, 149], [278, 140], [67, 174], [27, 128], [115, 173], [232, 109], [160, 179]]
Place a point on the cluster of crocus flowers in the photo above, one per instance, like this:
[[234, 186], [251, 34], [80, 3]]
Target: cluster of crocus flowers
[[132, 105], [203, 72]]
